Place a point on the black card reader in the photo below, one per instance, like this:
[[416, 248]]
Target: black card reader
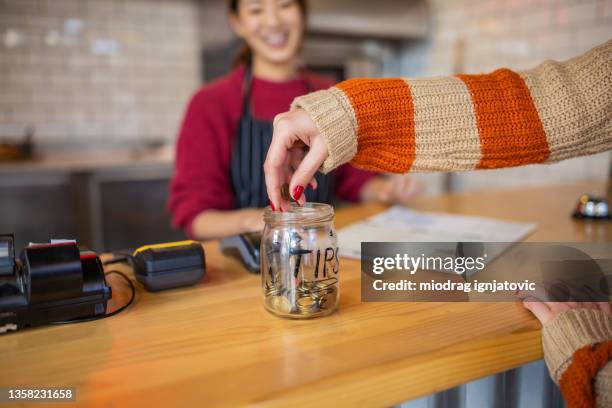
[[172, 265]]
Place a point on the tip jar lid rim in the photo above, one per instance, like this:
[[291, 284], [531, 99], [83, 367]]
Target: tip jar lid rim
[[308, 213]]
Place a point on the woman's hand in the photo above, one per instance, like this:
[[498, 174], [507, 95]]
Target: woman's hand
[[295, 155], [253, 219], [219, 224], [572, 298], [391, 189], [546, 311]]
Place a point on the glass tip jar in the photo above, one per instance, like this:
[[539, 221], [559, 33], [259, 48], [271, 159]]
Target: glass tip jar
[[299, 262]]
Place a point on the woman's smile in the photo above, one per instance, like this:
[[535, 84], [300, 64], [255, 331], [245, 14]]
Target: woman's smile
[[276, 40]]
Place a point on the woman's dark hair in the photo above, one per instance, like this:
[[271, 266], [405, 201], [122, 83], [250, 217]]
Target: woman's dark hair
[[245, 55]]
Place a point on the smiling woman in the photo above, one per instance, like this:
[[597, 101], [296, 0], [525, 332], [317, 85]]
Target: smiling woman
[[264, 47], [219, 187]]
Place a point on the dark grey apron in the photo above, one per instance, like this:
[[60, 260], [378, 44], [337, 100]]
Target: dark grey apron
[[249, 153]]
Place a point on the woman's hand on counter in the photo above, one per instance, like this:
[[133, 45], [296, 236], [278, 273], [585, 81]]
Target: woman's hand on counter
[[253, 219], [295, 155], [546, 311], [391, 189], [218, 224]]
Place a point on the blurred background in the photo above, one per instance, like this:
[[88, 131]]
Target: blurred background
[[92, 92]]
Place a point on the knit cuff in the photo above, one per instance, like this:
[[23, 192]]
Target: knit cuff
[[569, 331], [335, 123]]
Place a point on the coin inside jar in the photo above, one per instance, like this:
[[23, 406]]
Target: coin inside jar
[[271, 290], [305, 287], [280, 304], [306, 304], [329, 301]]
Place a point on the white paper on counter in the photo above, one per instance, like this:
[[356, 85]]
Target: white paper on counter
[[400, 224]]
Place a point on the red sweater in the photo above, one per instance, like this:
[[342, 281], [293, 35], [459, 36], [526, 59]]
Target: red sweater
[[203, 153]]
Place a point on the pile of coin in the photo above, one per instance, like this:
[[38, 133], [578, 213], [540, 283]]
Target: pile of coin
[[305, 299], [293, 257]]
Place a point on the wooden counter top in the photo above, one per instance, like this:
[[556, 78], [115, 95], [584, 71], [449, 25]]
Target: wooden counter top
[[87, 161], [215, 345]]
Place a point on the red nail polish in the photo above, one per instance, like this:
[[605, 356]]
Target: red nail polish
[[272, 206], [297, 192]]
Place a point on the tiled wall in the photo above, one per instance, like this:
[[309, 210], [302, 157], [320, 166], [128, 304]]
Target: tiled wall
[[97, 71], [513, 33], [516, 34], [118, 71]]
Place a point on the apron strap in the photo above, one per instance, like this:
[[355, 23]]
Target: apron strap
[[246, 91], [253, 138]]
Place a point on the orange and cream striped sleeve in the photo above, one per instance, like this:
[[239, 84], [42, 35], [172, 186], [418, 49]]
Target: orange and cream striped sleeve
[[577, 347], [556, 111]]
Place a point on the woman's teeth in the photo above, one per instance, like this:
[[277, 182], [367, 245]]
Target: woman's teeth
[[276, 40]]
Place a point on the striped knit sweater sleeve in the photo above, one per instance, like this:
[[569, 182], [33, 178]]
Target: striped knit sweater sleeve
[[577, 347], [556, 111]]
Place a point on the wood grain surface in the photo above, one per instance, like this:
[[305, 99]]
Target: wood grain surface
[[215, 345]]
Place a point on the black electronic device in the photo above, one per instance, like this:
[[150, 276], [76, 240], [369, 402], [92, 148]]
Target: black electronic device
[[171, 265], [49, 283], [244, 247]]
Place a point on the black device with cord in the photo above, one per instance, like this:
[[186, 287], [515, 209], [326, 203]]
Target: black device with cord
[[59, 283], [165, 266], [169, 265], [114, 312], [53, 283]]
